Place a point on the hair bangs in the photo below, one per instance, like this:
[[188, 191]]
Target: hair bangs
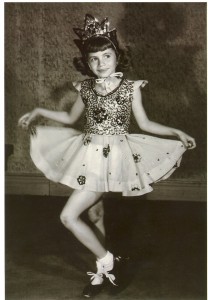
[[97, 43]]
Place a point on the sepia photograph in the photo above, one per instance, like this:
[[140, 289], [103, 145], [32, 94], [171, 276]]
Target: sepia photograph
[[105, 150]]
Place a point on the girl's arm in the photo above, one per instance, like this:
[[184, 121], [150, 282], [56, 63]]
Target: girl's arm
[[59, 116], [149, 126]]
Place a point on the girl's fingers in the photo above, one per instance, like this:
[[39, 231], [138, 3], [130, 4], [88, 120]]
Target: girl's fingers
[[188, 141], [184, 140], [191, 143], [26, 116], [25, 120], [23, 123]]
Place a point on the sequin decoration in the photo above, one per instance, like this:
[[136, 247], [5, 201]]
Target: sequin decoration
[[107, 114], [120, 120], [106, 151], [137, 157], [92, 27], [81, 180], [135, 188], [100, 114], [87, 139]]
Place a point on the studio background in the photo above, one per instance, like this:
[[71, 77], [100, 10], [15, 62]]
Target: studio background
[[168, 48], [166, 240]]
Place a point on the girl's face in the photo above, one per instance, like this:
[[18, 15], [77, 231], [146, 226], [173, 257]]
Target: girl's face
[[102, 63]]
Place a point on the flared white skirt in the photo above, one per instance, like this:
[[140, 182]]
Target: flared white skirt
[[119, 163]]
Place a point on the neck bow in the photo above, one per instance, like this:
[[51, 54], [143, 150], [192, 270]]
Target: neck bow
[[107, 81]]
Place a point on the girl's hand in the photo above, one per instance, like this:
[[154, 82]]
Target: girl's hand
[[26, 119], [187, 140]]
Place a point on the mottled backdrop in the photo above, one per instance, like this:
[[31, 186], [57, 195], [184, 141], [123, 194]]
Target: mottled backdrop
[[168, 48]]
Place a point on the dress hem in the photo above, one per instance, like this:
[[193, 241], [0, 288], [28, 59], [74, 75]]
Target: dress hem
[[169, 165]]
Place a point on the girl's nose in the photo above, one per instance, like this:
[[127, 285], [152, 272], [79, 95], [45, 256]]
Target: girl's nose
[[101, 62]]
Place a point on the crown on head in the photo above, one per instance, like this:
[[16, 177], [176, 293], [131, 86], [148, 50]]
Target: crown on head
[[92, 28]]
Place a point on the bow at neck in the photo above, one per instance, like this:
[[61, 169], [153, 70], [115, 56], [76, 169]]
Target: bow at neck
[[108, 82], [101, 80]]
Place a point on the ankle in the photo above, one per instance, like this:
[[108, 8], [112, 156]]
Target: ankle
[[107, 261]]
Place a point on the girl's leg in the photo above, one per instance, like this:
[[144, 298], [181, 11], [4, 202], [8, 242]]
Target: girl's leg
[[70, 217], [96, 216], [78, 202]]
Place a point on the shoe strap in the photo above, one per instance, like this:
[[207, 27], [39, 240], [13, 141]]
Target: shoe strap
[[94, 275], [111, 277]]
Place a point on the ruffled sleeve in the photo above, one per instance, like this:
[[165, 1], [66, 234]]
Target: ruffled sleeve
[[140, 83], [77, 85]]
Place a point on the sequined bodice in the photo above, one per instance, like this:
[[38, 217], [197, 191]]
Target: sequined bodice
[[108, 114]]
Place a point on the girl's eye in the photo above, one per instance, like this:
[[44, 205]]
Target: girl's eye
[[107, 56], [92, 59]]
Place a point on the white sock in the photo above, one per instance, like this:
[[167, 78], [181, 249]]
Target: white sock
[[107, 261], [98, 277]]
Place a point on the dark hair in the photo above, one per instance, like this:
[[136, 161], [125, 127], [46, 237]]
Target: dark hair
[[100, 43]]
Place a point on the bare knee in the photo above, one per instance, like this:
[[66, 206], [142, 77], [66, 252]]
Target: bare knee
[[68, 220], [78, 202]]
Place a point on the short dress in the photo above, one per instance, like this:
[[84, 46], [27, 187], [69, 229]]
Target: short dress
[[105, 156]]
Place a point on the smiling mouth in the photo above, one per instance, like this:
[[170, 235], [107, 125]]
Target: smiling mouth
[[102, 70]]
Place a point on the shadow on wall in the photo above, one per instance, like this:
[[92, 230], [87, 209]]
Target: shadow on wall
[[170, 56], [65, 95], [19, 99]]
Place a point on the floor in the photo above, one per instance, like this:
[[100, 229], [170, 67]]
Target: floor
[[166, 242]]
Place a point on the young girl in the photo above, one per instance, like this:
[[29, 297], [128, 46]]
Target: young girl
[[105, 157]]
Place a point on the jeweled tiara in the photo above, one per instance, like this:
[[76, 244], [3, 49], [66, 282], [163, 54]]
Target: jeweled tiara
[[92, 28]]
